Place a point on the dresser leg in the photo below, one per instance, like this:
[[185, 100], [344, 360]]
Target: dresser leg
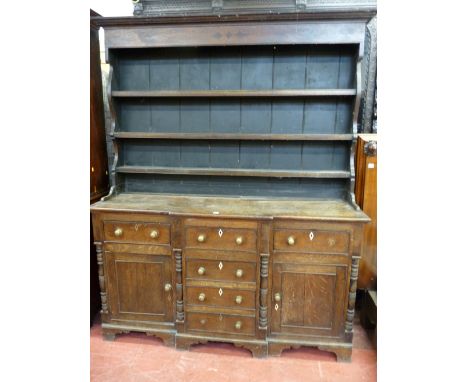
[[258, 351], [108, 336], [167, 338], [275, 350], [182, 343], [343, 354]]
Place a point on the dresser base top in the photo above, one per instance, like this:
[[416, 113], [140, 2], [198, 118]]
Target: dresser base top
[[317, 209]]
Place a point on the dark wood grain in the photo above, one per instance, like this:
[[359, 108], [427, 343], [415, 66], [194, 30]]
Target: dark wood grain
[[267, 208], [226, 273], [268, 272], [136, 287], [137, 232]]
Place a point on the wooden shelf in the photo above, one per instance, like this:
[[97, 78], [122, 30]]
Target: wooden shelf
[[236, 93], [236, 137], [231, 172]]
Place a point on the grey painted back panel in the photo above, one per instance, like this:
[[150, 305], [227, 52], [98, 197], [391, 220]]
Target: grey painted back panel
[[257, 115], [267, 155], [261, 187], [217, 68], [260, 67]]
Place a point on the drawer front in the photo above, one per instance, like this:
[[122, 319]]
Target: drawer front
[[137, 232], [221, 270], [221, 238], [220, 323], [302, 240], [223, 297]]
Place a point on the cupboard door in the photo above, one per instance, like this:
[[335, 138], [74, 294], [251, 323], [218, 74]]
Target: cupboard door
[[140, 287], [308, 299]]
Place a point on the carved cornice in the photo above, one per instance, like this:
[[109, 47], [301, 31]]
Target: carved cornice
[[204, 7], [93, 17], [359, 13]]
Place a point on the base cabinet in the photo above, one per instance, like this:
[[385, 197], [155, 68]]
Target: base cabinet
[[140, 287], [263, 284], [308, 299]]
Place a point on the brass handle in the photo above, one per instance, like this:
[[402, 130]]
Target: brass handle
[[239, 240], [154, 234], [238, 325], [239, 300], [167, 287], [291, 240], [201, 297], [203, 321], [277, 297], [118, 232], [239, 273], [201, 271], [201, 238]]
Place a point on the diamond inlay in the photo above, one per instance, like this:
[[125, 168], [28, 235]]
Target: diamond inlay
[[220, 265], [311, 235], [220, 291], [220, 232], [276, 306]]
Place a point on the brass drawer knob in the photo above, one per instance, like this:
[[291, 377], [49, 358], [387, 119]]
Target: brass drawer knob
[[203, 321], [201, 271], [239, 240], [201, 238], [238, 325], [118, 232], [167, 287], [154, 234], [239, 273], [291, 240], [239, 300], [277, 297], [201, 297]]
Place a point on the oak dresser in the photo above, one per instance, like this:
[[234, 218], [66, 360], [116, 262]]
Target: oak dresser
[[231, 215]]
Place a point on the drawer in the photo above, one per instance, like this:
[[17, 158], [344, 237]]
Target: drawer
[[302, 240], [221, 238], [137, 232], [221, 270], [223, 297], [220, 323]]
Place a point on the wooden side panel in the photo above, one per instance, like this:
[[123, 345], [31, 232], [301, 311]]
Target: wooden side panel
[[99, 179], [366, 198]]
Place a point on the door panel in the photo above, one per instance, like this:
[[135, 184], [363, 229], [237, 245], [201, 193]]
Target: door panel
[[312, 299], [136, 286]]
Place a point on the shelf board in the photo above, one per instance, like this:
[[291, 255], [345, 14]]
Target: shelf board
[[236, 93], [236, 137], [231, 172]]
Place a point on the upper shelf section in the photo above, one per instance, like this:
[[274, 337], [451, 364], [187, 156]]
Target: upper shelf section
[[260, 71]]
